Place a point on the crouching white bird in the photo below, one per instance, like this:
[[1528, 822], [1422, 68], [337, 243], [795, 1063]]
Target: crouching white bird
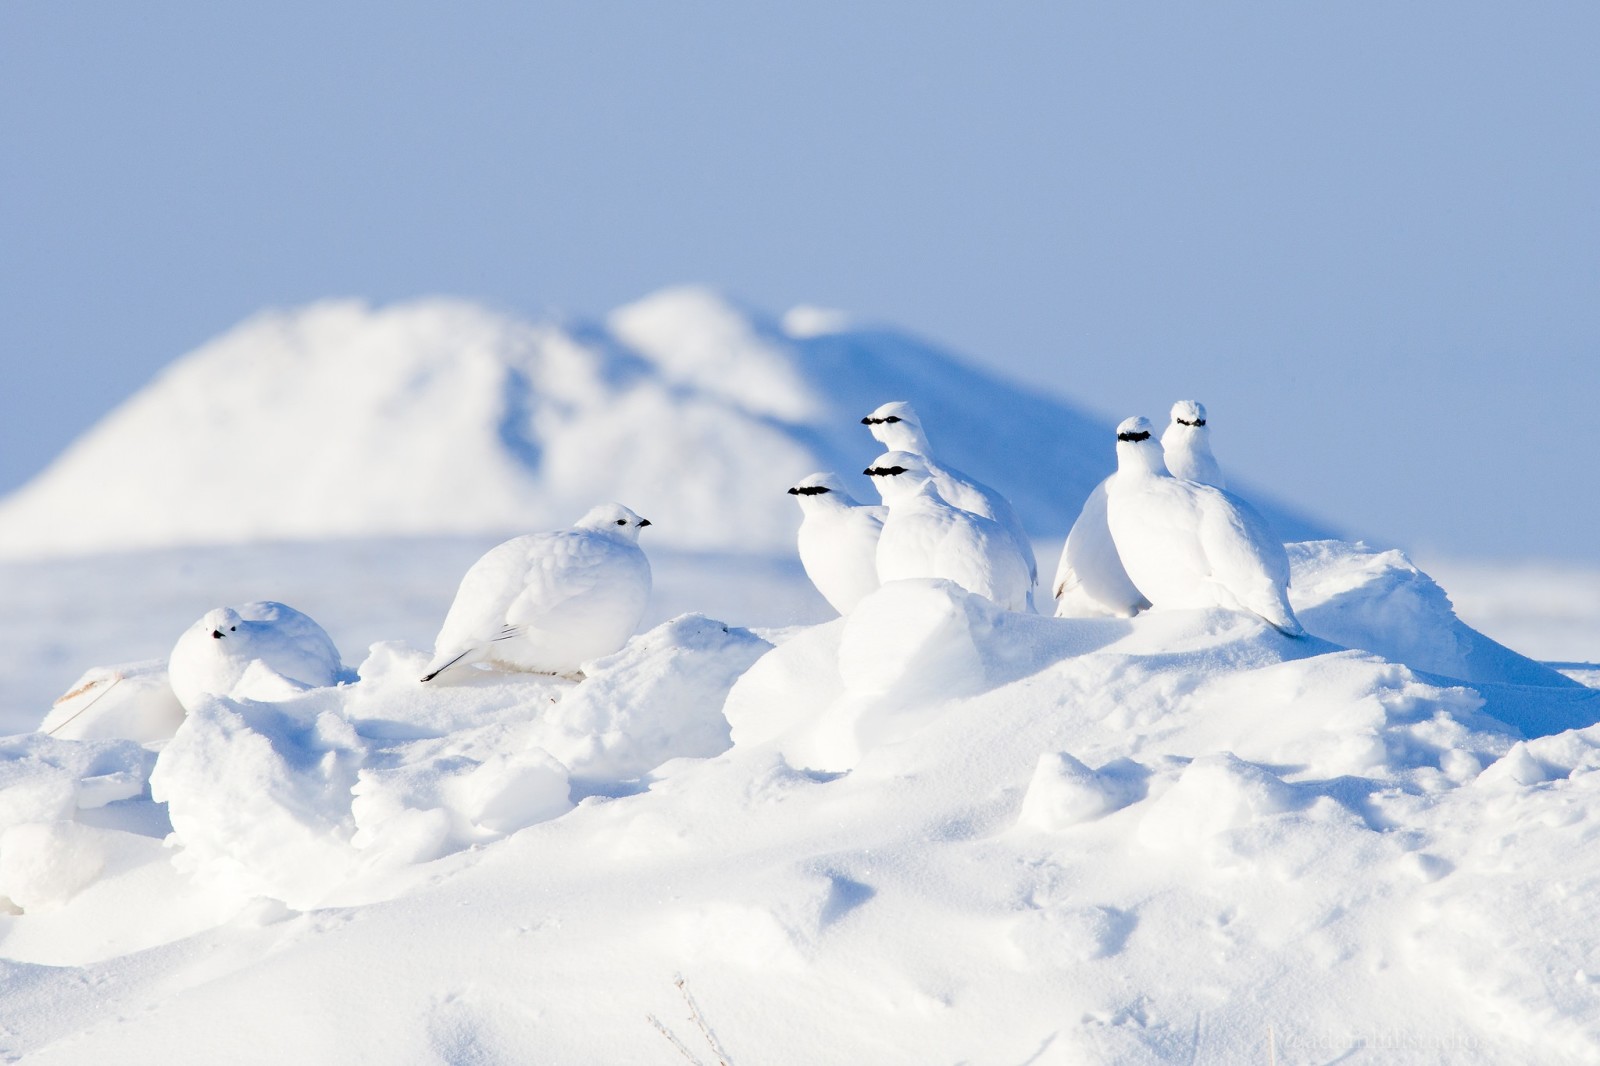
[[549, 602], [1185, 544], [838, 540], [1091, 578], [925, 536], [262, 650], [896, 426], [1186, 445]]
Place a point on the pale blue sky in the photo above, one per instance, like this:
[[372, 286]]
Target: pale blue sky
[[1366, 234]]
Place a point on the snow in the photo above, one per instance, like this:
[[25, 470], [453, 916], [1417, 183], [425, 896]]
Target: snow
[[931, 830], [441, 417]]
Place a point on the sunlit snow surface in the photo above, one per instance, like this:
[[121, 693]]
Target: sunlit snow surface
[[930, 832]]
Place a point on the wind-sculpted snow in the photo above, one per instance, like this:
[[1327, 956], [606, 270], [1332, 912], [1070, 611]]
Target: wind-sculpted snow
[[442, 417], [929, 831]]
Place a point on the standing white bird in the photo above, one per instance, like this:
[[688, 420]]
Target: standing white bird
[[1186, 445], [549, 602], [261, 650], [896, 426], [1091, 578], [925, 536], [1185, 544], [838, 540]]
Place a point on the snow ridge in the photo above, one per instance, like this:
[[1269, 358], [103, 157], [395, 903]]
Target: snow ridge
[[443, 417]]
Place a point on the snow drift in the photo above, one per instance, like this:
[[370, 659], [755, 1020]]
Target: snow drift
[[437, 416], [929, 831]]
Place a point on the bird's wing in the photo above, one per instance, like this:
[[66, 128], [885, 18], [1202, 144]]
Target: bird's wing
[[487, 591], [910, 543], [291, 643], [1247, 558], [1238, 541], [561, 568], [1158, 522], [978, 555], [1093, 513], [966, 492]]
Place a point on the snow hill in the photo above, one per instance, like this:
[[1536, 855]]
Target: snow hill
[[439, 417], [929, 832]]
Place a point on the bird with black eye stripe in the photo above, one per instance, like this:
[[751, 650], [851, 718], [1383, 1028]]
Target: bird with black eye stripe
[[549, 602], [1186, 445], [925, 537], [838, 540], [1186, 545], [898, 428]]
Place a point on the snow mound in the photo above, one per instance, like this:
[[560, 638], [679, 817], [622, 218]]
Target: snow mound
[[322, 793], [46, 786], [130, 701], [1379, 601], [932, 831], [439, 416]]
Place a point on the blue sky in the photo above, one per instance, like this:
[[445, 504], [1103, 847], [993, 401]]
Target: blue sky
[[1366, 234]]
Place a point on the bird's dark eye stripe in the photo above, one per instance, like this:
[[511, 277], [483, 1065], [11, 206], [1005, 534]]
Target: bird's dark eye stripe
[[883, 471], [1130, 437], [810, 490], [870, 421], [1196, 422]]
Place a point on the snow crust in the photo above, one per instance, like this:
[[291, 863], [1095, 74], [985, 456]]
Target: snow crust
[[929, 831]]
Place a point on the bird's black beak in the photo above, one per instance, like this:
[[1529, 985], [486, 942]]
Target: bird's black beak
[[794, 492], [867, 421], [216, 634], [867, 471], [643, 522]]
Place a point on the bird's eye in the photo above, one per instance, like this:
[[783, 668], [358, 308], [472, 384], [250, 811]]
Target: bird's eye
[[233, 629], [892, 419], [622, 521]]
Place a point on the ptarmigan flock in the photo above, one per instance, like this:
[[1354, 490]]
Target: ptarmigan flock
[[1161, 532]]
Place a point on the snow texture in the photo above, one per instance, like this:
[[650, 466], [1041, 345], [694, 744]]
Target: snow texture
[[932, 830], [442, 417]]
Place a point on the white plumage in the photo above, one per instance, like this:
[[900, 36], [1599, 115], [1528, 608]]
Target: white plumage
[[549, 602], [261, 650], [1186, 445], [838, 540], [1091, 578], [924, 536], [1185, 544], [896, 426]]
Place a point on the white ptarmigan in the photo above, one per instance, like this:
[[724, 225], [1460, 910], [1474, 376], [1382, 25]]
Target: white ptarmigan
[[838, 540], [896, 426], [1091, 578], [1188, 545], [549, 602], [1186, 445], [925, 536], [262, 650]]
